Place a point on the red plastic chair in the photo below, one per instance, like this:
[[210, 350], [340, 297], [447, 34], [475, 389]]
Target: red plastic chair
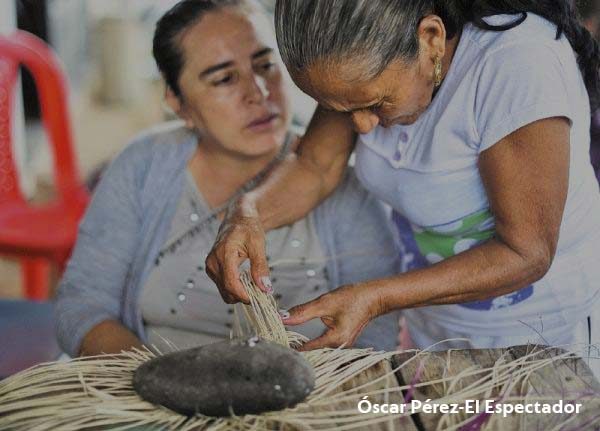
[[38, 235]]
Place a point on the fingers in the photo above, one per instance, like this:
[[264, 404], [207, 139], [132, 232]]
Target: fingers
[[259, 268], [222, 266], [344, 326], [232, 285], [329, 338], [240, 236], [333, 338], [304, 312]]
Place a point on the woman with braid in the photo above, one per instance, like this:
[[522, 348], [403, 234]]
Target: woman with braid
[[471, 120]]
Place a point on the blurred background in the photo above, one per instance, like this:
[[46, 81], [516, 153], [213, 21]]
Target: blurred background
[[114, 90]]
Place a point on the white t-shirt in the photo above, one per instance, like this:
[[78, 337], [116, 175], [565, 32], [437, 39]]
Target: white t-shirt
[[427, 172]]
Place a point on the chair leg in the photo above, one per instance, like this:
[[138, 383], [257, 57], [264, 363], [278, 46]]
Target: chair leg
[[61, 260], [36, 278]]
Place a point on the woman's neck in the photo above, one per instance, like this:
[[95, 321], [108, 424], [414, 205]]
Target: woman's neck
[[220, 174], [451, 46]]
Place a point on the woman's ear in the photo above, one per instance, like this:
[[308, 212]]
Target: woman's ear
[[176, 104], [432, 36]]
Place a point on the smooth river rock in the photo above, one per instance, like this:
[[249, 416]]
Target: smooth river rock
[[244, 376]]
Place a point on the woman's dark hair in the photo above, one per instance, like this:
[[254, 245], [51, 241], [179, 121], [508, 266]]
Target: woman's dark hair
[[381, 31], [588, 8], [166, 48]]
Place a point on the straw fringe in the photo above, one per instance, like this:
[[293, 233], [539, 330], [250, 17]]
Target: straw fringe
[[97, 393]]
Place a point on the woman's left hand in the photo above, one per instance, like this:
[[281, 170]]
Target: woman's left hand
[[345, 311]]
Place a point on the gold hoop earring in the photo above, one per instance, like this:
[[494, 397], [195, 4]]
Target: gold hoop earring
[[437, 72]]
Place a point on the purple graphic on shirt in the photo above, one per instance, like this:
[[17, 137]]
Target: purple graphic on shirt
[[501, 301], [411, 255]]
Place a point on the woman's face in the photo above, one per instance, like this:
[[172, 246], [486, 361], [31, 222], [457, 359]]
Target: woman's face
[[398, 95], [232, 86]]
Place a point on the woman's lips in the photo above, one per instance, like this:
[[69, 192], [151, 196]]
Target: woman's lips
[[263, 123]]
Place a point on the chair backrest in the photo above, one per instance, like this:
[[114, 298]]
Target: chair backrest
[[9, 181], [24, 49]]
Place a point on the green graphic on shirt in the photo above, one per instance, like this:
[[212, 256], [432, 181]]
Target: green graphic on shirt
[[435, 244], [444, 241]]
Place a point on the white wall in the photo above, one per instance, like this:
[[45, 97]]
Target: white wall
[[8, 19], [7, 16]]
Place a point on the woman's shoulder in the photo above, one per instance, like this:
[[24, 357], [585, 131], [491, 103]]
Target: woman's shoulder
[[155, 153], [521, 75], [170, 143], [488, 64], [165, 138], [535, 36]]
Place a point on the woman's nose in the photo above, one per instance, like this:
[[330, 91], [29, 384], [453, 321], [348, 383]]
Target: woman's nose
[[257, 90], [364, 121]]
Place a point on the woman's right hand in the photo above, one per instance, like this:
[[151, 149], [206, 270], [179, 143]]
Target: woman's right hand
[[241, 236]]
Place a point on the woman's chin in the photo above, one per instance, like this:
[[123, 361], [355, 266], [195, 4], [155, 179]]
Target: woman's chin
[[265, 141], [262, 146]]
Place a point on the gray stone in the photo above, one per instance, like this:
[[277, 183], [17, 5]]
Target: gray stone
[[244, 377]]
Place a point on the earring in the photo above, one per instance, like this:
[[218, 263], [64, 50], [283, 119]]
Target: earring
[[437, 71]]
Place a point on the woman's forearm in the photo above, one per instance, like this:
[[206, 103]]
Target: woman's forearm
[[306, 177], [489, 270], [108, 337]]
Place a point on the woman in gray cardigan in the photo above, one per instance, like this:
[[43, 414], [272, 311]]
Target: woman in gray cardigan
[[137, 272]]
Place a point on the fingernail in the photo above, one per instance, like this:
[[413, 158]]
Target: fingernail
[[266, 281], [284, 314]]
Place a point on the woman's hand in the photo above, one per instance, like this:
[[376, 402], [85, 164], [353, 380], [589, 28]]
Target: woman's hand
[[109, 337], [345, 311], [241, 236]]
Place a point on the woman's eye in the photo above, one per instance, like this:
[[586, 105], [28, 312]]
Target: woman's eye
[[383, 106], [267, 66], [377, 107], [223, 81]]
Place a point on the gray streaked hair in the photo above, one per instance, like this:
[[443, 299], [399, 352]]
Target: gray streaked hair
[[377, 32], [374, 32]]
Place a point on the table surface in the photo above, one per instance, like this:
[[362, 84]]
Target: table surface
[[563, 377]]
